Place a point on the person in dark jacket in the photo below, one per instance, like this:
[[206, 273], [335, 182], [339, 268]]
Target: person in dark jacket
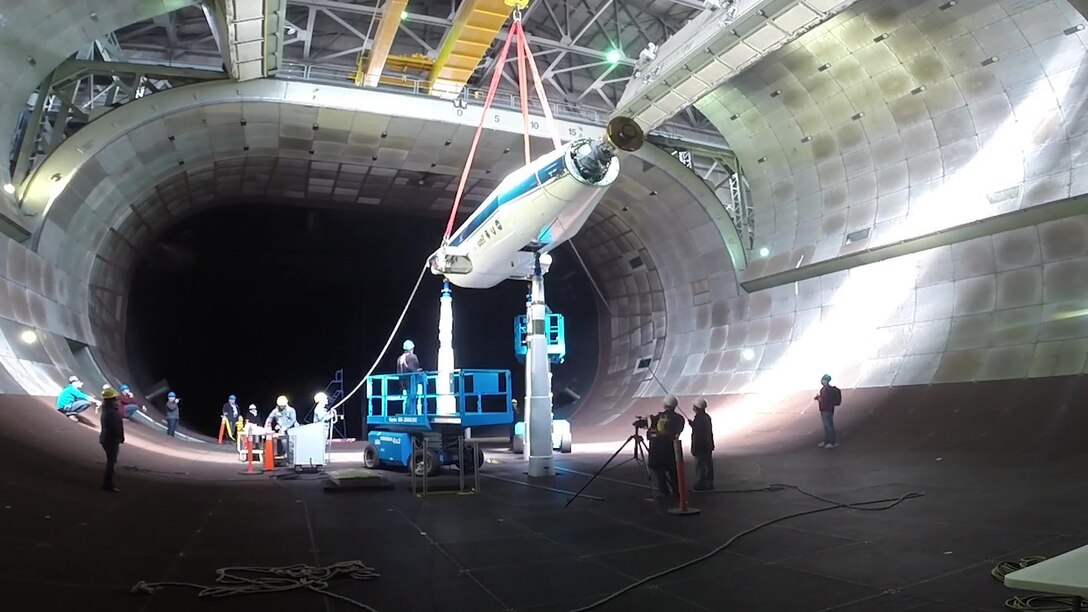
[[231, 413], [129, 407], [254, 423], [665, 428], [828, 397], [702, 447], [173, 413], [407, 366], [112, 436]]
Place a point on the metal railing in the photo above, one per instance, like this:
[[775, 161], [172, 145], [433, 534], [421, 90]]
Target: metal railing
[[578, 113]]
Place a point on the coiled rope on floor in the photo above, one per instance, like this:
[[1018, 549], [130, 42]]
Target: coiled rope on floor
[[239, 580], [1039, 602]]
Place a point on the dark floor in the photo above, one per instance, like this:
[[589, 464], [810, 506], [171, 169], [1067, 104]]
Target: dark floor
[[518, 548], [182, 516]]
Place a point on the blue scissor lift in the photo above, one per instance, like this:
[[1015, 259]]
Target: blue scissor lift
[[402, 432], [556, 332]]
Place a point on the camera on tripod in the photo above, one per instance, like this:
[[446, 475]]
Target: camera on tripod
[[642, 422]]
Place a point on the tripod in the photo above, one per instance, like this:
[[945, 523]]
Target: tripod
[[641, 451]]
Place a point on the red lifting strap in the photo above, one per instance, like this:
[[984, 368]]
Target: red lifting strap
[[516, 32]]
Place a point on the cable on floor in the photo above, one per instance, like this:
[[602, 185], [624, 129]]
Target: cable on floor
[[1039, 602], [232, 581], [890, 502]]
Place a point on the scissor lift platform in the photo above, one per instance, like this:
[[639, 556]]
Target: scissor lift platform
[[405, 428]]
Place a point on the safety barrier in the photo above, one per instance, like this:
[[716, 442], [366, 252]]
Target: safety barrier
[[681, 482], [424, 490]]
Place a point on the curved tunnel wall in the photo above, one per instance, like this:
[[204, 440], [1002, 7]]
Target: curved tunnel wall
[[1004, 307], [128, 184], [906, 118]]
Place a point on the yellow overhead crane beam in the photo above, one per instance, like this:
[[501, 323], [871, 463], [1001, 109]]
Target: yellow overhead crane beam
[[400, 70], [475, 26], [383, 41]]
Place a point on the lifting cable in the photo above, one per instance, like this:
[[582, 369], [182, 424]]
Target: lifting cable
[[516, 33], [523, 53]]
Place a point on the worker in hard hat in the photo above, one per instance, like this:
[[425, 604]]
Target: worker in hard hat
[[288, 418], [322, 412], [112, 435], [665, 428], [129, 406], [173, 413], [702, 446], [253, 424], [231, 413], [407, 366], [73, 401]]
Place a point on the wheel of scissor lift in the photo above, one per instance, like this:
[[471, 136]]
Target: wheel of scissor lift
[[518, 447], [370, 456], [565, 443], [425, 461], [471, 466]]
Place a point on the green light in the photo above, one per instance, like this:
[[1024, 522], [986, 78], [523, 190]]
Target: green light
[[613, 56]]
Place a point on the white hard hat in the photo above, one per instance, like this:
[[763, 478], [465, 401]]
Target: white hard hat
[[281, 400], [321, 398]]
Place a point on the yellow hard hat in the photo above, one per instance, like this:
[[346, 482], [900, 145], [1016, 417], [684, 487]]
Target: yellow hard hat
[[109, 393]]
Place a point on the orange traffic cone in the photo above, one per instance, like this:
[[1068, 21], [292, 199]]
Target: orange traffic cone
[[222, 428], [269, 453], [249, 459]]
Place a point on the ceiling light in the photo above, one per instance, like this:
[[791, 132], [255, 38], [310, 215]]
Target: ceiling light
[[748, 354], [28, 336], [9, 188], [763, 252], [613, 56], [404, 14]]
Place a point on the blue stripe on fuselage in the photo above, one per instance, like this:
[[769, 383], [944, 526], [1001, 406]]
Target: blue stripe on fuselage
[[555, 170]]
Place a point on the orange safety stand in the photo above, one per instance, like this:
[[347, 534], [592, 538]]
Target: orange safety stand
[[681, 483], [249, 459], [222, 428], [269, 452]]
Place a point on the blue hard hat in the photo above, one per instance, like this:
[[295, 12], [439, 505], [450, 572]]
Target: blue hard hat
[[124, 387], [826, 377], [409, 345], [171, 394], [232, 398]]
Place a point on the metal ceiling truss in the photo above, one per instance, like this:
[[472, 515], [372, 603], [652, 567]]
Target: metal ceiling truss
[[82, 89], [331, 40]]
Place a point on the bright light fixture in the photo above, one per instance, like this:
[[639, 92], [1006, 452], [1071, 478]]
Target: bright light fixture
[[764, 252], [404, 14], [28, 336], [8, 187], [613, 56], [748, 354]]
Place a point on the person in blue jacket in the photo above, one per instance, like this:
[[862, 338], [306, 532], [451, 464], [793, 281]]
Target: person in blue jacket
[[72, 400]]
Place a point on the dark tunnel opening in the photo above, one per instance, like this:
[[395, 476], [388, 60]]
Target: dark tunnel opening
[[261, 300]]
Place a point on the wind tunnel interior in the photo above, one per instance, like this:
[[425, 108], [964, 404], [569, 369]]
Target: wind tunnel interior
[[962, 363], [261, 299]]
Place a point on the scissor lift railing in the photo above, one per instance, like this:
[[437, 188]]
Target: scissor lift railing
[[554, 331], [482, 397]]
